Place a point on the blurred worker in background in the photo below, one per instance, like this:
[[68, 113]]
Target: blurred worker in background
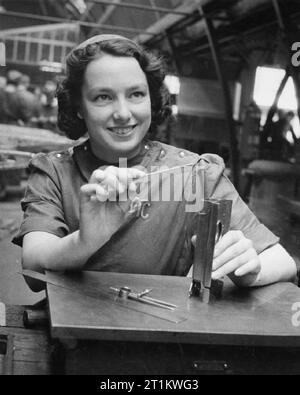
[[19, 105], [279, 139]]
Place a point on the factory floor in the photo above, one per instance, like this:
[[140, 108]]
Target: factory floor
[[14, 291]]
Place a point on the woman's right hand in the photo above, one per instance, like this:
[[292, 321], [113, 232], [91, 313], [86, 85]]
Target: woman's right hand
[[104, 202]]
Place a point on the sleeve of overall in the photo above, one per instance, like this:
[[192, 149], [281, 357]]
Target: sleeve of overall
[[218, 186], [42, 204]]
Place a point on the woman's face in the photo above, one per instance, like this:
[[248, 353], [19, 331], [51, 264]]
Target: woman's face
[[116, 106]]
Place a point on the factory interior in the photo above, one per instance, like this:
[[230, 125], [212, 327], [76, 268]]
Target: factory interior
[[233, 75]]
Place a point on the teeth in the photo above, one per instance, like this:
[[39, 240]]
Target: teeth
[[122, 130]]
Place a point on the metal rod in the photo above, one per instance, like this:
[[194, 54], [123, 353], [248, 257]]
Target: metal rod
[[81, 23], [142, 7], [146, 299], [164, 171], [159, 301], [278, 14], [150, 302], [214, 46]]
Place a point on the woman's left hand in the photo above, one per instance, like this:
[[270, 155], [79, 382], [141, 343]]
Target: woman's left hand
[[235, 256]]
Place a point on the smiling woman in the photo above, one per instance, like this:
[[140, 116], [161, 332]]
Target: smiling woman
[[116, 106], [84, 208], [145, 66]]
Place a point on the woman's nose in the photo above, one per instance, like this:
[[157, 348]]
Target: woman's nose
[[122, 111]]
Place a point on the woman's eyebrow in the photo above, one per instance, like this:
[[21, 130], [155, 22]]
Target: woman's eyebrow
[[98, 89], [138, 86]]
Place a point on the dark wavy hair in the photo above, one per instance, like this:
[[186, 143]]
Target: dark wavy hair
[[69, 89]]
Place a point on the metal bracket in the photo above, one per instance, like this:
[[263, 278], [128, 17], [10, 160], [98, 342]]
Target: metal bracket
[[212, 223]]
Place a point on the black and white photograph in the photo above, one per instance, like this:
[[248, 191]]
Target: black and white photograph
[[149, 190]]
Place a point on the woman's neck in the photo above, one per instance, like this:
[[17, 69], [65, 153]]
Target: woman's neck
[[114, 157]]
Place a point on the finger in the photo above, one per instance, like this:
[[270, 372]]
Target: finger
[[109, 181], [132, 187], [84, 196], [94, 198], [113, 185], [136, 173], [88, 190], [97, 176], [128, 195], [104, 173], [126, 176], [102, 195], [93, 192], [231, 266], [194, 240], [231, 237], [232, 252], [251, 267]]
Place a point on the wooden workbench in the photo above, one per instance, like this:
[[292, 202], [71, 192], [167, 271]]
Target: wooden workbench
[[248, 331]]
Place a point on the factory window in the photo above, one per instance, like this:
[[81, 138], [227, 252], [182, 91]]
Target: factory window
[[267, 82]]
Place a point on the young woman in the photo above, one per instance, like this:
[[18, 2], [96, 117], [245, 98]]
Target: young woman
[[114, 92]]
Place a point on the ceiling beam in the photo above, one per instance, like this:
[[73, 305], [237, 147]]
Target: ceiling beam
[[87, 15], [187, 7], [142, 7], [58, 7], [43, 7], [38, 29], [107, 13], [109, 10], [40, 40], [80, 23], [229, 34]]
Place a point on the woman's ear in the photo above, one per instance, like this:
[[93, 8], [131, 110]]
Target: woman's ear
[[79, 115]]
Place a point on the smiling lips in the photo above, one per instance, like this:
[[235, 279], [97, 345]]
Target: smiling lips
[[122, 131]]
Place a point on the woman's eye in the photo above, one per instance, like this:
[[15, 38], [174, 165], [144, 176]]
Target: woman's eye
[[103, 97], [138, 94]]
